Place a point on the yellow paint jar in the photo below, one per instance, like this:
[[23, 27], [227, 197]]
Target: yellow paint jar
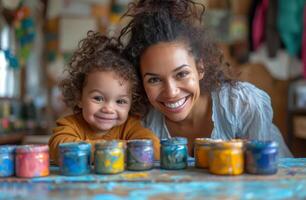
[[109, 157], [226, 158], [201, 151]]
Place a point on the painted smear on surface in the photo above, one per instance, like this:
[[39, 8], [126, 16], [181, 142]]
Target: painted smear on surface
[[178, 184], [291, 162], [281, 189], [134, 176]]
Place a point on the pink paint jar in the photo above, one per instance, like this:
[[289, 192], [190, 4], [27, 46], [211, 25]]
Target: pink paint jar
[[32, 161]]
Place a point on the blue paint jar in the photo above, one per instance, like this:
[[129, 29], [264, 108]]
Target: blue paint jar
[[74, 158], [140, 154], [7, 160], [174, 153], [261, 157]]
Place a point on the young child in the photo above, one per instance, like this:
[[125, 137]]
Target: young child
[[102, 89]]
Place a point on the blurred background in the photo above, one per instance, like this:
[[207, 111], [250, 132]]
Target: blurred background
[[264, 40]]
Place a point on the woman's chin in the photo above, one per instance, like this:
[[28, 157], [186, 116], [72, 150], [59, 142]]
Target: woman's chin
[[175, 118]]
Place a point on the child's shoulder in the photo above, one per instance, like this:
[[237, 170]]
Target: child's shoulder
[[133, 119], [71, 118]]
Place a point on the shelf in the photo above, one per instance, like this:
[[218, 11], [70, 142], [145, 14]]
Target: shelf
[[297, 111], [11, 138]]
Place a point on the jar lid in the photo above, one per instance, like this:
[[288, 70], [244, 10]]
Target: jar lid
[[207, 141], [174, 141], [109, 143], [234, 143], [75, 146], [32, 148], [261, 144], [139, 142], [7, 148]]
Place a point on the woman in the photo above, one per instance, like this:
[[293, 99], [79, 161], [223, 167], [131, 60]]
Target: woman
[[187, 81]]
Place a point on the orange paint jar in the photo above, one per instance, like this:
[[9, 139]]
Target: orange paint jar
[[226, 158], [201, 151]]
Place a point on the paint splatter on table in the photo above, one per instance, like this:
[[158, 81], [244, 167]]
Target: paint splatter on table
[[192, 183]]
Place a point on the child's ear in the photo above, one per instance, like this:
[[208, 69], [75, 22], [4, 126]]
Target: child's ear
[[200, 68]]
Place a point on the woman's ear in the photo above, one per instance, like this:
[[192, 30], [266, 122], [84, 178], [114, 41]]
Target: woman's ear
[[200, 68]]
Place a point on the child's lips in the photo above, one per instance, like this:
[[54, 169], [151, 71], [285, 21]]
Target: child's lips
[[106, 118]]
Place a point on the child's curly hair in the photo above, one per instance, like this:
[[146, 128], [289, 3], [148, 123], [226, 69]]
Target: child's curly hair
[[97, 52]]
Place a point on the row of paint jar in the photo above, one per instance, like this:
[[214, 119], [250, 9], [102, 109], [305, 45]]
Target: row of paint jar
[[220, 157], [25, 161], [234, 156], [109, 157]]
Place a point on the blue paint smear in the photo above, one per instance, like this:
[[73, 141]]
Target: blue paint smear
[[291, 162], [107, 197], [90, 187], [278, 189]]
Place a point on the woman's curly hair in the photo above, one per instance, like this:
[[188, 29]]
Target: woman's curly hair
[[97, 52], [155, 21]]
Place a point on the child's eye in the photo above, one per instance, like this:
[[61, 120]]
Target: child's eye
[[98, 98], [182, 74], [154, 80], [122, 101]]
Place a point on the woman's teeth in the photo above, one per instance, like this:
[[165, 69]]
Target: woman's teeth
[[176, 104]]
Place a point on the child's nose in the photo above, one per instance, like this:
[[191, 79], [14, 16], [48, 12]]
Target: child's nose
[[107, 108]]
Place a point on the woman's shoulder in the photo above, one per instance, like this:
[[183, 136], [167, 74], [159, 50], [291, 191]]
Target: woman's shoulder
[[240, 102], [241, 93]]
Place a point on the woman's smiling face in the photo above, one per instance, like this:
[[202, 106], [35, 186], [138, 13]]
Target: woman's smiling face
[[171, 79]]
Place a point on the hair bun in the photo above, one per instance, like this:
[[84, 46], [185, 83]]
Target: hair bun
[[181, 9]]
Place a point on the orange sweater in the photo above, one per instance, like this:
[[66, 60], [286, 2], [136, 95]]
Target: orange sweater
[[74, 128]]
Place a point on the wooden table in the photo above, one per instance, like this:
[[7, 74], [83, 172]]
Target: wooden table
[[192, 183]]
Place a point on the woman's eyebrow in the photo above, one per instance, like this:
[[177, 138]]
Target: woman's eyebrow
[[180, 67], [149, 74], [176, 69]]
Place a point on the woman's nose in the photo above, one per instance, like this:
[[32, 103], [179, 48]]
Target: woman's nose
[[171, 89]]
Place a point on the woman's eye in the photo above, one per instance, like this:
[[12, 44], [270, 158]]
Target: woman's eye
[[153, 80], [122, 101], [182, 74], [98, 98]]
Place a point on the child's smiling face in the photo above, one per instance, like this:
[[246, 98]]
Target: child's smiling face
[[106, 100]]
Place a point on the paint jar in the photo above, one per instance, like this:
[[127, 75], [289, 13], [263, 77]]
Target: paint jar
[[32, 161], [261, 157], [74, 158], [201, 151], [140, 154], [109, 157], [7, 160], [174, 153], [226, 158]]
